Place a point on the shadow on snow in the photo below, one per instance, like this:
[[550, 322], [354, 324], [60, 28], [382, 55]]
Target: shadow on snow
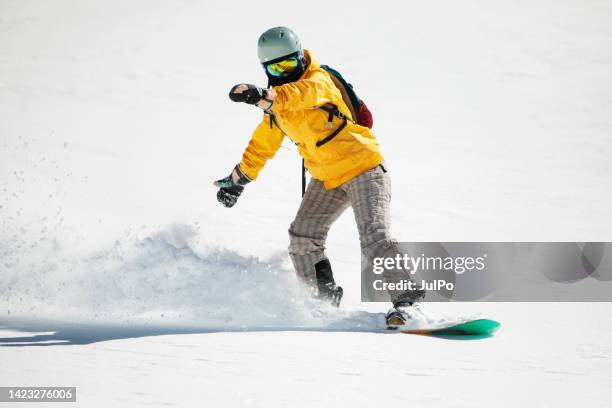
[[55, 333]]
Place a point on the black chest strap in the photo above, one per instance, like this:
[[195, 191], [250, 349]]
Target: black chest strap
[[332, 110]]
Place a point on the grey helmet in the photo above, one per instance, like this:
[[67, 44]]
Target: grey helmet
[[277, 42]]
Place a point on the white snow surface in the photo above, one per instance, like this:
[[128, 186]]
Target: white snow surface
[[120, 273]]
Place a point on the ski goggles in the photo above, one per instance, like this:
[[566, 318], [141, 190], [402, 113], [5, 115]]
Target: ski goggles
[[283, 67]]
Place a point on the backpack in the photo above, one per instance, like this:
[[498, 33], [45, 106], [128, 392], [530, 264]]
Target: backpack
[[359, 111]]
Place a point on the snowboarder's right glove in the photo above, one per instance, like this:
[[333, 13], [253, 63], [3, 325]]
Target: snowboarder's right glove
[[252, 95], [231, 187]]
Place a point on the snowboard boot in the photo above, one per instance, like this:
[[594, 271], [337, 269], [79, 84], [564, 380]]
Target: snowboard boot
[[328, 290], [399, 314], [331, 293]]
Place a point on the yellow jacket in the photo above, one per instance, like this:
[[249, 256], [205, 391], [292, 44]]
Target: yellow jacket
[[295, 114]]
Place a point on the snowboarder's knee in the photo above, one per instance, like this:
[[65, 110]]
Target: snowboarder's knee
[[302, 243]]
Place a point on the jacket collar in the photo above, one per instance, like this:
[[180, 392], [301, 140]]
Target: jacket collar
[[313, 62]]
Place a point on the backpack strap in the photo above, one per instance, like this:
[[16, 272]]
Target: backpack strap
[[303, 178], [332, 110]]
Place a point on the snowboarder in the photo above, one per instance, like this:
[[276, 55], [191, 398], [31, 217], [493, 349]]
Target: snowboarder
[[342, 157]]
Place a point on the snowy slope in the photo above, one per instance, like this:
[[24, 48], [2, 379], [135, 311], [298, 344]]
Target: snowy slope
[[526, 364], [495, 121]]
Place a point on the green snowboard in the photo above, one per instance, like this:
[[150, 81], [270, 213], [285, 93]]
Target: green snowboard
[[479, 327]]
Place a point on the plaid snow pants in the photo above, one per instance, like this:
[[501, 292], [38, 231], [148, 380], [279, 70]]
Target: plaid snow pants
[[369, 194]]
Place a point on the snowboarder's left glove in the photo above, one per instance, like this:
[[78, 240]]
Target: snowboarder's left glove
[[231, 187], [251, 94]]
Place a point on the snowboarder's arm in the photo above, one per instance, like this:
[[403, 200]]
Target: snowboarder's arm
[[303, 94], [264, 144]]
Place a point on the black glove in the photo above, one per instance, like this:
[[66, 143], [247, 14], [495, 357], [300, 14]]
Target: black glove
[[229, 195], [229, 191], [251, 95]]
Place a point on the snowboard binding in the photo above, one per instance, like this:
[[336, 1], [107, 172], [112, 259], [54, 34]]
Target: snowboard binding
[[400, 314], [328, 290]]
